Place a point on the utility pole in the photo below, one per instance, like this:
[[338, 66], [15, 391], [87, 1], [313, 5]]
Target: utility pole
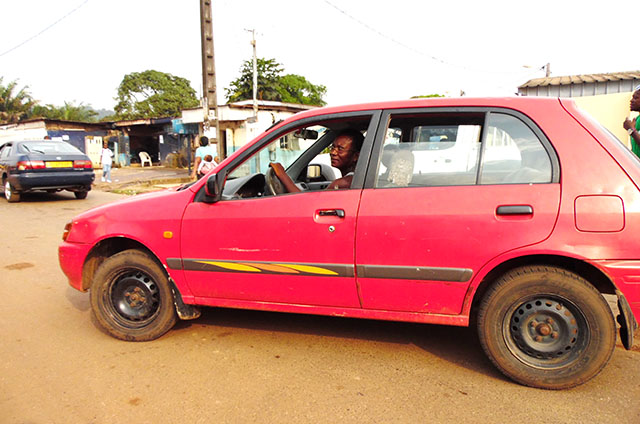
[[547, 68], [209, 92], [255, 74]]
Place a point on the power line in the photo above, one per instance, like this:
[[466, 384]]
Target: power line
[[44, 30], [401, 44]]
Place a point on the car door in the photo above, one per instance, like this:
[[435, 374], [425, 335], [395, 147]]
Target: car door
[[295, 248], [448, 192]]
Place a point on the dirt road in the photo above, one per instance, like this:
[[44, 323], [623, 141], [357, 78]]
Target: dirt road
[[233, 366]]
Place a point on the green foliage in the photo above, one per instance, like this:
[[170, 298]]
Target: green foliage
[[153, 94], [272, 85], [427, 96], [15, 105], [296, 89], [68, 112]]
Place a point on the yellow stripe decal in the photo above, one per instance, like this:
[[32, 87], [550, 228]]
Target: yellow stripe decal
[[231, 266], [309, 269], [274, 268]]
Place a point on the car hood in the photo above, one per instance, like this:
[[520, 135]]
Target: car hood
[[132, 216]]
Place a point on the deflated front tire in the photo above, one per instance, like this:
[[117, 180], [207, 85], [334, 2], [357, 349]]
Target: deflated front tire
[[131, 297]]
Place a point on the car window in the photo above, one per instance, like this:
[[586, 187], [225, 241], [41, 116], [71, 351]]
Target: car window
[[430, 150], [440, 149], [303, 152], [513, 154], [46, 147], [4, 153], [285, 150]]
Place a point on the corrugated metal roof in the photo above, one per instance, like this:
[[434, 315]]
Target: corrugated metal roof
[[581, 79]]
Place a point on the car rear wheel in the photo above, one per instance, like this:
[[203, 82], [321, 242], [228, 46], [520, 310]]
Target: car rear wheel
[[81, 194], [10, 194], [131, 297], [546, 327]]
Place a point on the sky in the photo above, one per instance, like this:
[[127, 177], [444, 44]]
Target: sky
[[361, 50]]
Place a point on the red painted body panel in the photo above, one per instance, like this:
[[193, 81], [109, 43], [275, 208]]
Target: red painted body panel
[[144, 218], [442, 227], [276, 229], [448, 227]]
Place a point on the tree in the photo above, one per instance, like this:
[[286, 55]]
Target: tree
[[14, 106], [68, 112], [272, 85], [428, 96], [153, 94]]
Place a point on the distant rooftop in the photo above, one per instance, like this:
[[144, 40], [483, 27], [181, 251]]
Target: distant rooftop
[[581, 85]]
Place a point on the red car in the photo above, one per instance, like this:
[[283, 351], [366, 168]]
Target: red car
[[517, 215]]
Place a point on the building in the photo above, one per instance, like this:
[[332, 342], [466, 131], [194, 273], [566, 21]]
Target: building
[[238, 125], [161, 138], [88, 137], [605, 96]]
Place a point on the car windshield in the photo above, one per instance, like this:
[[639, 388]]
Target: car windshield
[[45, 147]]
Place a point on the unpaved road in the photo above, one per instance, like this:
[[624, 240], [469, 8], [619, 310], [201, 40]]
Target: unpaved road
[[233, 366]]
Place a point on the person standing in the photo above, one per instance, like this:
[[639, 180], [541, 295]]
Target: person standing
[[106, 161], [202, 151], [633, 126]]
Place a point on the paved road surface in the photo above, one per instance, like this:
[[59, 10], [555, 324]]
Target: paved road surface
[[234, 366]]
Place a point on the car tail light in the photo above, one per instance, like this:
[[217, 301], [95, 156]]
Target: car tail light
[[82, 164], [23, 165], [67, 230]]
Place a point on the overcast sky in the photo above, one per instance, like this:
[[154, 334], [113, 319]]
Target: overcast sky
[[361, 50]]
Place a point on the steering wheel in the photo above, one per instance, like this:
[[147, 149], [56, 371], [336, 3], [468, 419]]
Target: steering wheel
[[274, 184]]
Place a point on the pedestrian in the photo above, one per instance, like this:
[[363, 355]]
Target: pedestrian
[[633, 126], [205, 166], [106, 161], [202, 151]]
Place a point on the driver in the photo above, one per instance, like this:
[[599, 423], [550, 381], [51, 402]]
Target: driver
[[344, 154]]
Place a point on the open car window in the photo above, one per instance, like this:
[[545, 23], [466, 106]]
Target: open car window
[[284, 150], [302, 151]]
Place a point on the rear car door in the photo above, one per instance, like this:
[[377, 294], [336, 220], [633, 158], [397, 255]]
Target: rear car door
[[446, 192]]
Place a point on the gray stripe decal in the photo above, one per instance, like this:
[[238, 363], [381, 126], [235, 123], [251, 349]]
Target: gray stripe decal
[[174, 263], [457, 275]]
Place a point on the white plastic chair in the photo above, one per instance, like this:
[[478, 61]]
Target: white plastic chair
[[144, 158]]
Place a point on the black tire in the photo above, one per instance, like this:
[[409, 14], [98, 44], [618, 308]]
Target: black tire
[[131, 297], [546, 327], [10, 194], [81, 194]]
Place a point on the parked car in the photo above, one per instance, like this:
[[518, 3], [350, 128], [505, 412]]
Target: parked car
[[523, 232], [44, 165]]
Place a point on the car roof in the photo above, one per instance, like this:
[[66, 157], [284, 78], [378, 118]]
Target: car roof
[[505, 102]]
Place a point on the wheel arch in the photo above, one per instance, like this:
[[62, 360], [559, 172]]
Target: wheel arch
[[590, 273], [109, 247]]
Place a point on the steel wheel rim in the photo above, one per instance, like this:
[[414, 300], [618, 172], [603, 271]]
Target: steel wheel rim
[[7, 190], [546, 331], [134, 298]]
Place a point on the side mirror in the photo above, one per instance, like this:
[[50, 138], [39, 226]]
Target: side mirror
[[314, 172], [213, 188]]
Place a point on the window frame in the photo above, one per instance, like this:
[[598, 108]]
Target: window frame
[[363, 160], [387, 115]]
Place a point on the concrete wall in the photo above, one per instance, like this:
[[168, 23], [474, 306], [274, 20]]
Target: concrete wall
[[610, 110], [28, 131]]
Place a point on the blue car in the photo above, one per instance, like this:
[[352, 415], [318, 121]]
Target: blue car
[[44, 165]]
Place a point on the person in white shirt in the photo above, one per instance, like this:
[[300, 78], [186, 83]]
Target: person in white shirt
[[106, 161]]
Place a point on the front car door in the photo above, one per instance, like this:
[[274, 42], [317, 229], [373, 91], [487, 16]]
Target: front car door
[[447, 191], [293, 248]]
